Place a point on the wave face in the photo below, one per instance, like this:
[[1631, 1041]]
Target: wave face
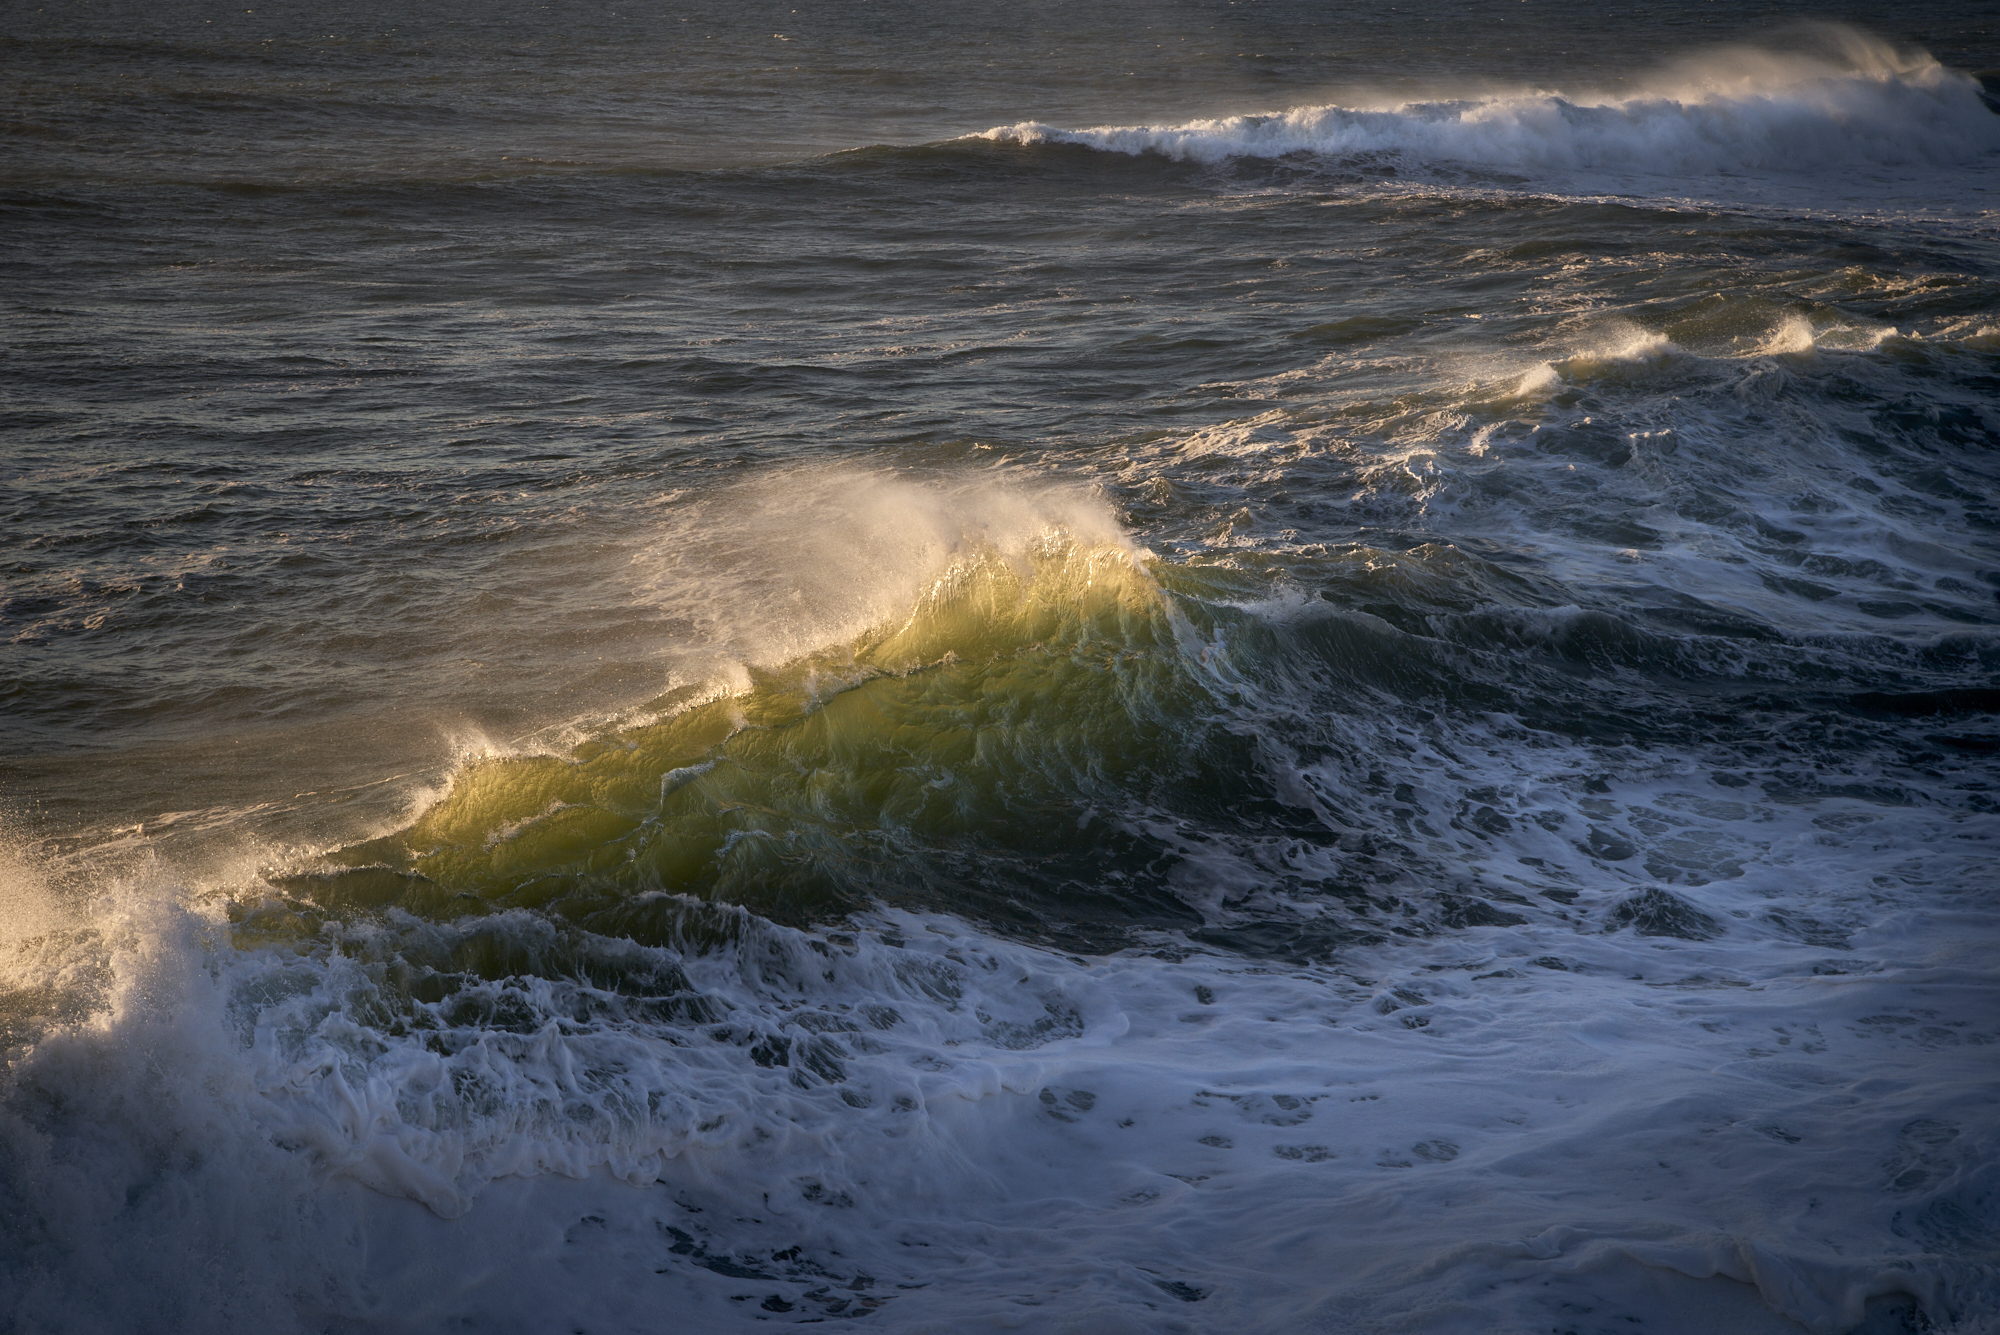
[[1038, 671], [1859, 105]]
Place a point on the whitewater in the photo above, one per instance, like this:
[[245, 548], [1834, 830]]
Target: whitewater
[[1832, 123], [635, 705]]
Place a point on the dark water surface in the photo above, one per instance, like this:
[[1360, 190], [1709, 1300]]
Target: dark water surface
[[1137, 667]]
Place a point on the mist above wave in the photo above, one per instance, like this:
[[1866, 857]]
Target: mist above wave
[[1843, 99]]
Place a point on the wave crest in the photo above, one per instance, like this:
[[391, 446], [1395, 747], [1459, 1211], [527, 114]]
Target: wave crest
[[1851, 100]]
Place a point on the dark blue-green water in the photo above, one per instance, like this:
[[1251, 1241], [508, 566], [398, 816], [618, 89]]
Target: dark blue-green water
[[1186, 667]]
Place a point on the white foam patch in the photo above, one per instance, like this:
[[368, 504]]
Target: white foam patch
[[1854, 103], [30, 906]]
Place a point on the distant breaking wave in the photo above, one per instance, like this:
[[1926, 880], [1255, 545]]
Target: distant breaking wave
[[1854, 101]]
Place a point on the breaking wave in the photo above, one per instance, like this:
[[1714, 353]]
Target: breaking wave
[[1852, 100]]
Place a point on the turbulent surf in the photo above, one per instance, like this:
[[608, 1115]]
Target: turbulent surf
[[1343, 679]]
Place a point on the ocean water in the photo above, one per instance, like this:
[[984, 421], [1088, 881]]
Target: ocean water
[[1175, 667]]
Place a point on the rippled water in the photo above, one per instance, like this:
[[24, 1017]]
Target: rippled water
[[1189, 668]]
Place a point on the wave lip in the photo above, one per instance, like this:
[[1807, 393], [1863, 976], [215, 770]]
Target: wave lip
[[1857, 103]]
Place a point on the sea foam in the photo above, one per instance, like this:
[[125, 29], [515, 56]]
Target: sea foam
[[1853, 101]]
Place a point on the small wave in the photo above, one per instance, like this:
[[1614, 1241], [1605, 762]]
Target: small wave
[[1855, 102]]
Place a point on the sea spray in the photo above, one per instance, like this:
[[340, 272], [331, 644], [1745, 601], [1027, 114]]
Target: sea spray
[[1861, 105]]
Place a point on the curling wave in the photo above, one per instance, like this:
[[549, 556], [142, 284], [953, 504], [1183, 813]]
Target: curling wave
[[1027, 680]]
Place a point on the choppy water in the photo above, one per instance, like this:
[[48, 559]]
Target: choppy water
[[1187, 668]]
